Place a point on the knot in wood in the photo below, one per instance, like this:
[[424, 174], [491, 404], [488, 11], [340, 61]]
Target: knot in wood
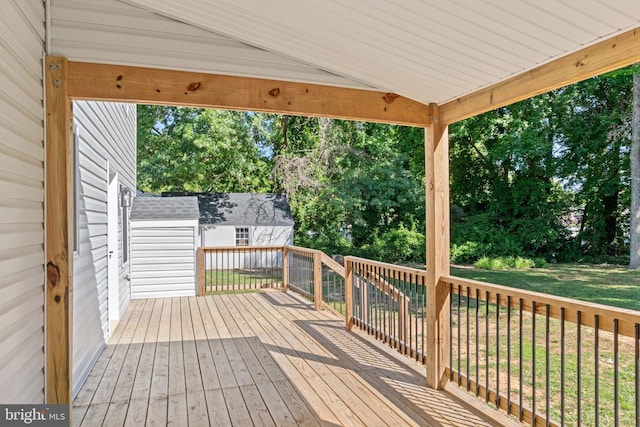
[[194, 86], [275, 92], [53, 274], [390, 97]]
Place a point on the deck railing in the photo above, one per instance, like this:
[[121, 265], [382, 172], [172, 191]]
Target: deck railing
[[239, 268], [542, 359], [388, 301], [546, 360], [308, 272]]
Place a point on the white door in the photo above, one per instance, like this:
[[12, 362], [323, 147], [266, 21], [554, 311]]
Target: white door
[[113, 255]]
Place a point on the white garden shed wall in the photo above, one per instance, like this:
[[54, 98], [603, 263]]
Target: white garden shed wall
[[164, 239], [266, 216], [259, 235]]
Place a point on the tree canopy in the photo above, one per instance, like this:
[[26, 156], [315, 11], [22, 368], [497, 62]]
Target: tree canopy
[[547, 177]]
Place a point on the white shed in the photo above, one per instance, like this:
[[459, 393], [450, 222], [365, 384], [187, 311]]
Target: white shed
[[245, 219], [164, 239]]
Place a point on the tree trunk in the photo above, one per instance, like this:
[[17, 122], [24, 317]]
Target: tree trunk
[[634, 234]]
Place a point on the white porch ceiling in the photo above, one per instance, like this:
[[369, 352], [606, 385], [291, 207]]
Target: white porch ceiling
[[426, 50], [113, 32]]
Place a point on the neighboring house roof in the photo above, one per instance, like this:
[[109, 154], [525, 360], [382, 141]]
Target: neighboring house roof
[[140, 193], [164, 208], [241, 208]]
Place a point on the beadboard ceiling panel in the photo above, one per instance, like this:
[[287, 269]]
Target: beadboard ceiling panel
[[427, 50], [110, 31]]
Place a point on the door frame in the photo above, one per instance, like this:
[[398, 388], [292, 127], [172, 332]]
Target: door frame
[[113, 250]]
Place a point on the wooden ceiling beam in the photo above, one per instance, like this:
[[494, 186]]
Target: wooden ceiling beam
[[608, 55], [103, 82]]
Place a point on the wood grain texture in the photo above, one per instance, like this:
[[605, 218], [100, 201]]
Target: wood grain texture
[[201, 271], [348, 294], [58, 208], [437, 236], [263, 358], [155, 86], [605, 56], [317, 280]]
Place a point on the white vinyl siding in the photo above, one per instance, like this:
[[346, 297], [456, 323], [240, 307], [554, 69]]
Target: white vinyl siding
[[110, 31], [259, 235], [21, 203], [271, 235], [163, 260], [218, 235], [107, 133]]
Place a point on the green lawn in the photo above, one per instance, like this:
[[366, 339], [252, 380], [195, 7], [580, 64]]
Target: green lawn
[[240, 280], [604, 284]]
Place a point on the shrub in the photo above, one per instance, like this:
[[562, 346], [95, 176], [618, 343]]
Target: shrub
[[402, 245], [523, 263], [504, 263], [539, 263], [467, 253], [487, 263]]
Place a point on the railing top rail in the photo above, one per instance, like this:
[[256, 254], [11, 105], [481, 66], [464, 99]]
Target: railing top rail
[[238, 248], [332, 264], [300, 249], [385, 265], [625, 315]]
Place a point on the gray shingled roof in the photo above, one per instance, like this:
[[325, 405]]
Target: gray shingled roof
[[164, 208], [241, 208]]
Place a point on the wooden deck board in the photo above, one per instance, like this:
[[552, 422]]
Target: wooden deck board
[[264, 359], [160, 372], [300, 407], [177, 382]]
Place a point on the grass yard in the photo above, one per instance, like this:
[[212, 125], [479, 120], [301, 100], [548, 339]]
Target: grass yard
[[241, 279], [603, 284]]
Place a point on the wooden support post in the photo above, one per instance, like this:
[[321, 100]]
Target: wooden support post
[[201, 272], [437, 234], [348, 293], [58, 216], [285, 268], [403, 323], [317, 280], [364, 296]]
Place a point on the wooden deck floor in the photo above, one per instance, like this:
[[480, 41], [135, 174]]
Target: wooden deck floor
[[255, 359]]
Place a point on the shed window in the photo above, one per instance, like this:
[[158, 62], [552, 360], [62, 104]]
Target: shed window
[[242, 236]]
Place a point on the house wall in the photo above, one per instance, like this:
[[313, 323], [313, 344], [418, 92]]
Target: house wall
[[106, 142], [163, 259], [22, 33]]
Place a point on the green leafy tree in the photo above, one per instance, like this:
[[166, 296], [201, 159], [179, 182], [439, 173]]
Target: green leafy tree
[[191, 149], [595, 136], [507, 199]]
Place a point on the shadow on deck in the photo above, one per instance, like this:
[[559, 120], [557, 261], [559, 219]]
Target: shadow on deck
[[255, 359]]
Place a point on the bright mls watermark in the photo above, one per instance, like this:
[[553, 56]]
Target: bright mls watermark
[[34, 415]]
